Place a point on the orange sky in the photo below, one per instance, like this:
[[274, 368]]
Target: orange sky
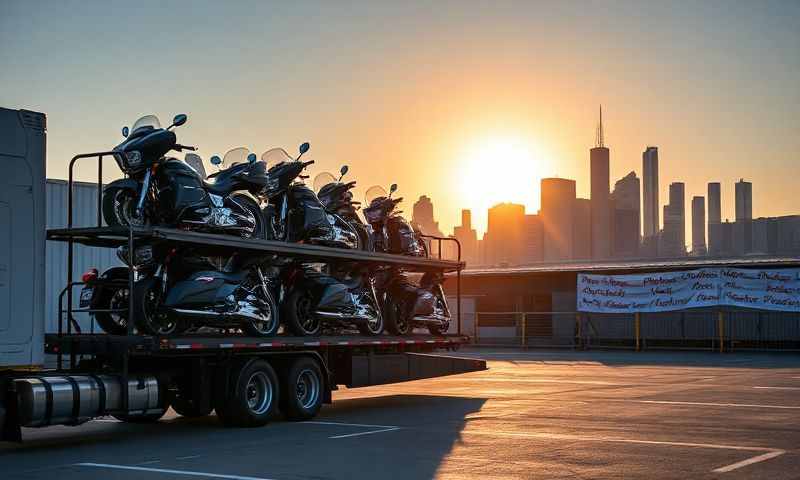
[[423, 94]]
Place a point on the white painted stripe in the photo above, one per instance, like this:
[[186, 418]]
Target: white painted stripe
[[430, 341], [366, 433], [167, 470], [778, 388], [149, 462], [709, 404], [264, 344], [315, 422], [344, 343], [311, 344], [769, 452], [225, 345], [182, 346], [107, 420], [187, 457], [749, 461]]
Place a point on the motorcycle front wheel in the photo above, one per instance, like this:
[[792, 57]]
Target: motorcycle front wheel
[[252, 208], [119, 208], [112, 297], [299, 313], [270, 320], [374, 326], [439, 329]]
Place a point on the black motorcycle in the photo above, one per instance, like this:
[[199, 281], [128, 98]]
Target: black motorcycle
[[159, 190], [337, 197], [407, 304], [294, 212], [175, 290]]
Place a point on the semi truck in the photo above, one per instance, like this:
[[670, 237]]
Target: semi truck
[[70, 376]]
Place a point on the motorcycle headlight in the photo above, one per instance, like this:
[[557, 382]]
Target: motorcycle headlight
[[272, 184], [133, 158], [142, 256]]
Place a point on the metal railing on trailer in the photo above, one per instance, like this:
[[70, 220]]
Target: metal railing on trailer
[[116, 236]]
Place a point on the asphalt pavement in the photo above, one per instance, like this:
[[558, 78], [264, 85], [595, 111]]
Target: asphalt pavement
[[535, 414]]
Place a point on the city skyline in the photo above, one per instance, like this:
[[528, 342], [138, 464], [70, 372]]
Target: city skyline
[[474, 107]]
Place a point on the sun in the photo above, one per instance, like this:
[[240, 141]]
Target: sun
[[500, 169]]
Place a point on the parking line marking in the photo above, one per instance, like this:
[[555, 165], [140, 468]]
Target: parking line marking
[[366, 433], [149, 462], [380, 428], [769, 452], [168, 470], [107, 420], [749, 461], [187, 457], [778, 388], [709, 404]]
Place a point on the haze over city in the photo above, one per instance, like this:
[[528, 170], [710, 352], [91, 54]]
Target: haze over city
[[470, 106]]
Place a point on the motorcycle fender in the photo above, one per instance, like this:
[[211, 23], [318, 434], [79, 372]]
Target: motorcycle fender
[[335, 296], [123, 184], [202, 288]]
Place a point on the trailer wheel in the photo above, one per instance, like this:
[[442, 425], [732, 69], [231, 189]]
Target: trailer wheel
[[254, 397], [189, 407], [303, 389]]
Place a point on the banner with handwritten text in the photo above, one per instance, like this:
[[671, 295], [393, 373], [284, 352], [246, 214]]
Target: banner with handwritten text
[[705, 287]]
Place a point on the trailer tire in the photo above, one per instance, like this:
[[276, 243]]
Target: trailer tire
[[254, 396], [190, 407], [303, 388]]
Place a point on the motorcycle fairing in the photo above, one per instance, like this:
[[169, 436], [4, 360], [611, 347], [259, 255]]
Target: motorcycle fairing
[[203, 288]]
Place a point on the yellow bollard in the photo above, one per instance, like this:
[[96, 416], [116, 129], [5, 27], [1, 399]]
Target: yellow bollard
[[637, 318]]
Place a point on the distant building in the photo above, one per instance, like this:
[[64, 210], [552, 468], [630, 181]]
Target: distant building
[[533, 240], [699, 227], [744, 200], [422, 217], [650, 192], [714, 218], [600, 207], [673, 236], [626, 205], [468, 238], [581, 229], [558, 200], [504, 237]]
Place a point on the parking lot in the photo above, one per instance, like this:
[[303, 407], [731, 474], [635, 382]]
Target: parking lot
[[536, 414]]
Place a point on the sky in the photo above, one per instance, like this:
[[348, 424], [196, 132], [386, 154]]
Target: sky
[[468, 102]]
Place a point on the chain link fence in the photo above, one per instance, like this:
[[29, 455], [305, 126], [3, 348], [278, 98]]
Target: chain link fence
[[718, 330]]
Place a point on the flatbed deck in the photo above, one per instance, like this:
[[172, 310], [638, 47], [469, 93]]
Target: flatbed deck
[[118, 236], [92, 344]]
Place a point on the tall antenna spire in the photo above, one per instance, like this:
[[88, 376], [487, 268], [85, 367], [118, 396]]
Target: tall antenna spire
[[599, 139]]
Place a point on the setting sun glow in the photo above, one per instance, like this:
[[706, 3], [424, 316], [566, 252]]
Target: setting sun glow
[[500, 169]]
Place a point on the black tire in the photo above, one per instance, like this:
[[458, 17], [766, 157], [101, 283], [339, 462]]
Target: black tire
[[440, 329], [264, 329], [260, 229], [303, 388], [253, 398], [397, 322], [375, 328], [298, 312], [119, 207], [147, 300], [106, 297]]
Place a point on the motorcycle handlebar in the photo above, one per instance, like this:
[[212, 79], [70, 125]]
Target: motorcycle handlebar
[[305, 164], [181, 148]]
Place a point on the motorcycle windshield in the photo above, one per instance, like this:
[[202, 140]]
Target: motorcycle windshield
[[148, 121], [276, 156], [323, 179], [235, 156], [374, 193]]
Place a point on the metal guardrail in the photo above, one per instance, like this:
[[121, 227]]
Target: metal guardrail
[[715, 330]]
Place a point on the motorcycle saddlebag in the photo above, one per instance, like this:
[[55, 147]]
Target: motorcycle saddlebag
[[402, 238]]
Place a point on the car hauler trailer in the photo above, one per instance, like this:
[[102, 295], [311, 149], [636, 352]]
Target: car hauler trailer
[[137, 377]]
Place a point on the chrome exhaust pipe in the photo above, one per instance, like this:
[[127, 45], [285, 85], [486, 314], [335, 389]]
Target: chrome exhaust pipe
[[238, 316], [342, 316]]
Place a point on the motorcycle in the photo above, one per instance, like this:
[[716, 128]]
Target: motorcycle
[[175, 290], [407, 305], [294, 213], [337, 198], [160, 190]]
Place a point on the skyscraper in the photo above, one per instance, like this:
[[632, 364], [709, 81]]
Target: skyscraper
[[744, 200], [558, 200], [600, 205], [673, 237], [698, 226], [533, 247], [650, 193], [714, 219], [626, 206], [582, 229], [505, 234], [468, 238], [422, 216]]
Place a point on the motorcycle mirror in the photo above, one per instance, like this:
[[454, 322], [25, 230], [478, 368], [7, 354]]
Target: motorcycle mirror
[[125, 131], [393, 188], [303, 149], [215, 160], [251, 158], [179, 120], [343, 171]]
